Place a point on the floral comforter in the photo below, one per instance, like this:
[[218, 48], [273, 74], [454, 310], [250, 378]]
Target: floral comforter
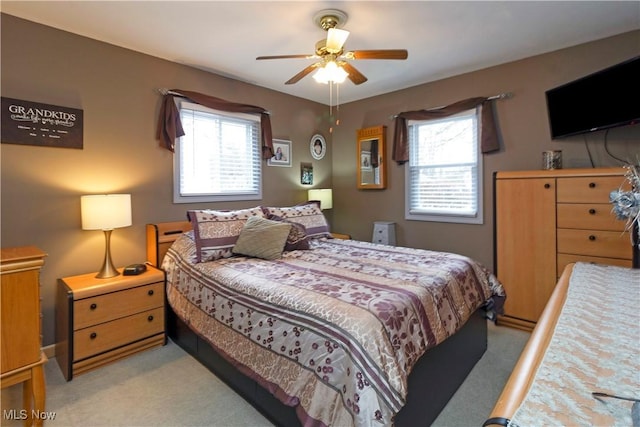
[[334, 330]]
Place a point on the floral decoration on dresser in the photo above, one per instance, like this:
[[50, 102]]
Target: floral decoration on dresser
[[626, 204]]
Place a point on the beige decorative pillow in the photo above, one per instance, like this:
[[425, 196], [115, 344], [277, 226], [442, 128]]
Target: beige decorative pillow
[[262, 238]]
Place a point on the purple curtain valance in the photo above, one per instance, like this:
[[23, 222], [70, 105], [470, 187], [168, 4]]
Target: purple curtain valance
[[170, 127], [488, 132]]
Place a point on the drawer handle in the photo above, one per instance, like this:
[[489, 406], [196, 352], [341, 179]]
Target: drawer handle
[[150, 292], [150, 318], [93, 335], [547, 186], [592, 185], [592, 237], [592, 211], [93, 306]]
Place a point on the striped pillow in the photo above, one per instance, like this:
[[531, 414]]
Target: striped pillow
[[308, 215], [216, 232]]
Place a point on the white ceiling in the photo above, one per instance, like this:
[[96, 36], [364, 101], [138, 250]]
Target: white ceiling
[[444, 38]]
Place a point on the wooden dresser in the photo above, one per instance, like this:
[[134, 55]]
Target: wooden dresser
[[546, 219], [21, 357], [99, 321]]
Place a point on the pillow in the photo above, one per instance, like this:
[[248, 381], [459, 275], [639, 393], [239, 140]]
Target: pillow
[[308, 215], [216, 232], [297, 238], [262, 238]]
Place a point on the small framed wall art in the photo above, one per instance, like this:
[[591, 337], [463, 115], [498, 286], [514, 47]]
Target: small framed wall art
[[318, 146], [281, 153], [306, 174]]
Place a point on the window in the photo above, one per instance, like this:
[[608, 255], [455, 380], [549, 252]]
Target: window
[[443, 175], [218, 158]]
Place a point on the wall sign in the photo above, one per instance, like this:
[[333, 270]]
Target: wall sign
[[32, 123]]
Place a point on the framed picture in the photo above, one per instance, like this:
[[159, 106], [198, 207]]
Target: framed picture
[[318, 146], [365, 160], [281, 153], [306, 173]]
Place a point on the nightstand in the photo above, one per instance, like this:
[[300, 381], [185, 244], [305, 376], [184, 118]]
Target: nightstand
[[99, 321], [341, 236], [384, 232]]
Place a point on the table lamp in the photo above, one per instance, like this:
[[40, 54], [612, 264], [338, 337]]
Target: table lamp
[[106, 212], [323, 195]]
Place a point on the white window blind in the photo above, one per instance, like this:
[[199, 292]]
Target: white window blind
[[218, 158], [444, 170]]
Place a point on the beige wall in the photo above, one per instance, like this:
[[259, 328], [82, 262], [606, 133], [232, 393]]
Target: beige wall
[[525, 132], [115, 88]]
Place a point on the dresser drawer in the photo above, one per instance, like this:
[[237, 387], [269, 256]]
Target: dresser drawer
[[564, 259], [590, 216], [114, 305], [107, 336], [609, 244], [595, 189]]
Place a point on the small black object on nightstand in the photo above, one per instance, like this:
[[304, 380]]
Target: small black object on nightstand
[[134, 269]]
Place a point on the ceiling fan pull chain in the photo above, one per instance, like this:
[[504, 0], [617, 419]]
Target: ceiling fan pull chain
[[337, 104]]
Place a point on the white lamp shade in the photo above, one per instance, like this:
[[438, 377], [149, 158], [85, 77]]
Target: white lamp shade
[[105, 211], [324, 195]]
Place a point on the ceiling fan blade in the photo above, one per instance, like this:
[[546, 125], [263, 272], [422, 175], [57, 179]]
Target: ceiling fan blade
[[303, 73], [336, 39], [287, 57], [354, 75], [378, 54]]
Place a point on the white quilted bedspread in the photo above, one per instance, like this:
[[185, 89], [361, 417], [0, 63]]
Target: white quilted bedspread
[[595, 348]]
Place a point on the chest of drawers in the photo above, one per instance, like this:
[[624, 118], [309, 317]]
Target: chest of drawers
[[587, 231], [21, 358], [547, 219], [99, 321]]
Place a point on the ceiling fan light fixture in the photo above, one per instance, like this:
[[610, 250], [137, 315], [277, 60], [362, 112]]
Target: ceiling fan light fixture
[[331, 72], [336, 39]]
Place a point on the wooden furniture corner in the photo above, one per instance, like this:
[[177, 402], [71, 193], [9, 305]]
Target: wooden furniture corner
[[22, 359]]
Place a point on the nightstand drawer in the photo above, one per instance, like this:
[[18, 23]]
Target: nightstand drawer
[[107, 336], [114, 305], [593, 189], [610, 244], [591, 216]]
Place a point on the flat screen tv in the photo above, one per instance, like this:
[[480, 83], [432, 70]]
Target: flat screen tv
[[602, 100]]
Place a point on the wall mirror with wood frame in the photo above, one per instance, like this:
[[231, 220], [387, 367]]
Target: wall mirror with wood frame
[[371, 168]]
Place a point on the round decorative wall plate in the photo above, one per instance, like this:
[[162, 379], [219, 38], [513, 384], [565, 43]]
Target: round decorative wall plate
[[318, 146]]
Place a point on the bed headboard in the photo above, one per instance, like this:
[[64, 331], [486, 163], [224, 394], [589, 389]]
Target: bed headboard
[[160, 236]]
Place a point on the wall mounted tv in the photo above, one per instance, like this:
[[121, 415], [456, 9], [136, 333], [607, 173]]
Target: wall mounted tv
[[602, 100]]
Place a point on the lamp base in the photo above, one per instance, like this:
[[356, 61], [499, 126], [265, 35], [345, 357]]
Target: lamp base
[[108, 269]]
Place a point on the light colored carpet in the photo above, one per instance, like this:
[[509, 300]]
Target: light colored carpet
[[167, 387]]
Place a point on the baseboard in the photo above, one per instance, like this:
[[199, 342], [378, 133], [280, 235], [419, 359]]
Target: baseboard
[[50, 351]]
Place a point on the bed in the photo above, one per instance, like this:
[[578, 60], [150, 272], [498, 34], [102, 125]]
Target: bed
[[326, 335], [581, 365]]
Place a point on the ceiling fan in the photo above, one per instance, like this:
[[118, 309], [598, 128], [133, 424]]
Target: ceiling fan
[[331, 53]]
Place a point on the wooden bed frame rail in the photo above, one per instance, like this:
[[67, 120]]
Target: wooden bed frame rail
[[522, 376]]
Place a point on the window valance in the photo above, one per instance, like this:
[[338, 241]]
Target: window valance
[[488, 132], [170, 127]]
